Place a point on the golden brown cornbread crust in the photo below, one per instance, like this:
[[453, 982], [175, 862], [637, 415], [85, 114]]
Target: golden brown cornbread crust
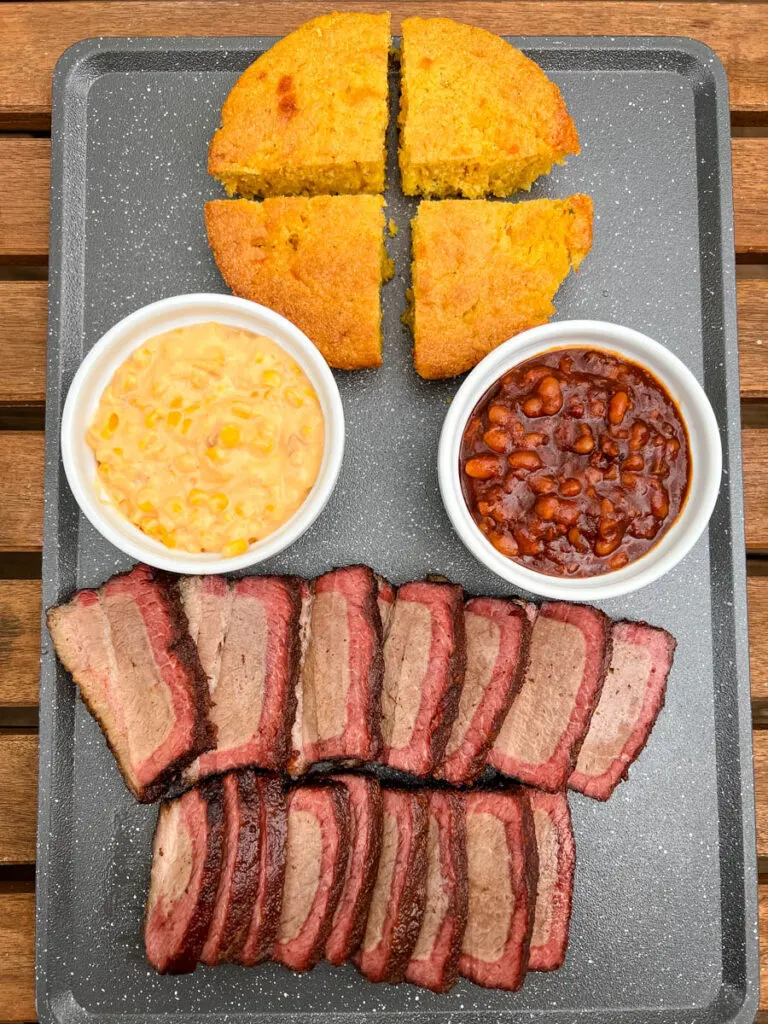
[[310, 115], [319, 261], [484, 271], [477, 117]]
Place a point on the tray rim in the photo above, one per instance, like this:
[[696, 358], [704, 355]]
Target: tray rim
[[739, 1002]]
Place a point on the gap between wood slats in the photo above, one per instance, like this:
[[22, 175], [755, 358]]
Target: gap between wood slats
[[25, 182], [35, 35]]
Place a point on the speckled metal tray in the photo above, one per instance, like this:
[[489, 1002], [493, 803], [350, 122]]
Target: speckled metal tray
[[664, 922]]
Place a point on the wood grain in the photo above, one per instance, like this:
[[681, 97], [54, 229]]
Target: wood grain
[[755, 449], [757, 595], [19, 643], [18, 797], [17, 956], [23, 321], [25, 184], [35, 35], [752, 299], [21, 496]]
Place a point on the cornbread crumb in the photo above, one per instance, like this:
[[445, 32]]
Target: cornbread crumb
[[318, 261], [485, 271], [310, 115], [477, 117], [391, 228]]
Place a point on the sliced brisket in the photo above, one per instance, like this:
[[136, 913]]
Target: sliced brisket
[[138, 672], [632, 697], [498, 634], [503, 867], [349, 922], [542, 734], [557, 862], [239, 870], [386, 602], [266, 903], [435, 959], [247, 635], [424, 661], [316, 853], [342, 672], [399, 894], [186, 864]]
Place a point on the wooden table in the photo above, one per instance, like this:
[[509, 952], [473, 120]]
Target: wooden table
[[32, 36]]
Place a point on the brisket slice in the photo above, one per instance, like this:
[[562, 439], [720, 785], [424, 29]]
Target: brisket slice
[[557, 862], [186, 863], [435, 959], [342, 671], [632, 697], [297, 763], [400, 891], [239, 870], [386, 600], [498, 634], [316, 853], [259, 941], [502, 863], [424, 662], [247, 635], [128, 650], [350, 919], [542, 734]]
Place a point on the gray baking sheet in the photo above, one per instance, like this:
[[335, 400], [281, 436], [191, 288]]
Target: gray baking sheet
[[664, 920]]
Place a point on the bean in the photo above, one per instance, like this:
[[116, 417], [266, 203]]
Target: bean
[[608, 527], [584, 444], [660, 503], [629, 480], [565, 364], [546, 506], [605, 547], [634, 462], [568, 513], [638, 436], [505, 544], [617, 409], [570, 487], [497, 439], [542, 484], [482, 467], [607, 507], [618, 561], [528, 545], [576, 539], [533, 406], [608, 446], [551, 395], [673, 447], [524, 460], [535, 374], [611, 473], [534, 440], [500, 416]]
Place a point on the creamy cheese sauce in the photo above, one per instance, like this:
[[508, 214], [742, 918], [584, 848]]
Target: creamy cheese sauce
[[208, 438]]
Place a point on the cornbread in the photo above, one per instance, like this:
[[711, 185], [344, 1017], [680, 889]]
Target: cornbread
[[319, 261], [477, 117], [208, 438], [484, 271], [310, 115]]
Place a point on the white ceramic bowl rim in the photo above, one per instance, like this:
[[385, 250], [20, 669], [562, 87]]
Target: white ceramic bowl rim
[[109, 353], [705, 450]]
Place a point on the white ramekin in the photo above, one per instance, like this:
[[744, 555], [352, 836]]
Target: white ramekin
[[111, 351], [705, 450]]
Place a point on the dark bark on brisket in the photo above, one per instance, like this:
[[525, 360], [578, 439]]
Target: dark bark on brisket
[[259, 942]]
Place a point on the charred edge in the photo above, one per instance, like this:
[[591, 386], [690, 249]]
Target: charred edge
[[414, 895], [448, 707], [245, 877], [457, 840], [575, 746], [376, 671], [283, 753], [531, 874], [274, 822], [342, 814]]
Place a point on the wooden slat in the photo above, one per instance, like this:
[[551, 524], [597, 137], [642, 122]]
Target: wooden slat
[[24, 197], [17, 956], [750, 187], [752, 297], [23, 316], [18, 797], [763, 904], [35, 35], [21, 496], [23, 327], [19, 644], [755, 448]]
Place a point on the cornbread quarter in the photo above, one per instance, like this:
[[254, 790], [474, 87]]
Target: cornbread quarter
[[319, 261], [477, 117], [310, 115], [484, 271]]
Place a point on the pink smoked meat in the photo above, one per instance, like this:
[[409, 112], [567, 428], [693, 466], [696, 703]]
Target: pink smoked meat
[[386, 602], [186, 863], [247, 636], [435, 959], [128, 650], [632, 697], [542, 734], [424, 661], [267, 900], [557, 863], [316, 853], [399, 894], [349, 922], [502, 864], [239, 870], [498, 634], [341, 672]]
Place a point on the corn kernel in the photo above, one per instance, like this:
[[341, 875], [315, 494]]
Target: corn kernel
[[271, 378], [219, 501], [193, 407], [186, 425], [130, 382], [153, 528], [175, 507], [235, 547], [146, 506], [118, 452], [213, 453], [264, 445], [196, 497], [169, 540], [293, 398], [242, 410], [151, 418], [229, 436], [174, 418], [104, 469], [142, 356], [177, 402]]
